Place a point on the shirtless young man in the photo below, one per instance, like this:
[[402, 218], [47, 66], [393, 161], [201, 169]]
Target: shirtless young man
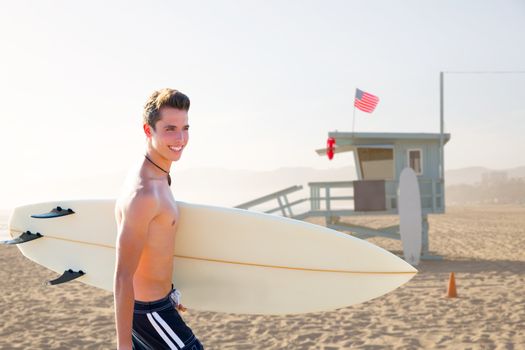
[[146, 305]]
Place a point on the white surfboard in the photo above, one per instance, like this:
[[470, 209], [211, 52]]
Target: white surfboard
[[225, 260], [410, 227]]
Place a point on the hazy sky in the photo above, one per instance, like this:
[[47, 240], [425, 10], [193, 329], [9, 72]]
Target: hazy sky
[[267, 80]]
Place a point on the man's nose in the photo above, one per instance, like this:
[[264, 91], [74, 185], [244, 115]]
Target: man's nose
[[179, 135]]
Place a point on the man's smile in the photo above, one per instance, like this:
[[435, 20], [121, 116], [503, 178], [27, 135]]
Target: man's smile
[[176, 148]]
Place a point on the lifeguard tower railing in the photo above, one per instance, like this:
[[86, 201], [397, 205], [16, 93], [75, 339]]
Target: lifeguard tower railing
[[325, 203]]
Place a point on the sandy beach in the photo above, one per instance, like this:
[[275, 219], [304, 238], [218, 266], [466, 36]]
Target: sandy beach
[[483, 245]]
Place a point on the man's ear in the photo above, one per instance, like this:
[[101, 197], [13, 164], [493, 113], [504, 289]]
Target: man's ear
[[147, 129]]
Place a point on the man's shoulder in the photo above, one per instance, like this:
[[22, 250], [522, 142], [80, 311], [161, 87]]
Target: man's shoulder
[[144, 196], [144, 193]]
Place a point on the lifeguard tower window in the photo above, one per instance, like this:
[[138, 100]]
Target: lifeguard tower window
[[376, 163], [414, 160]]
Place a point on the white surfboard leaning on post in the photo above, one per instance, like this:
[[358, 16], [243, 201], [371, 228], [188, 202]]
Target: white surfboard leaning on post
[[225, 260], [410, 226]]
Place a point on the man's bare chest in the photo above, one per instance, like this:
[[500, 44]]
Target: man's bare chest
[[168, 216]]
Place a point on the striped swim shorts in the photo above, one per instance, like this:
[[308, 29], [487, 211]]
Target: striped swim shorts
[[157, 325]]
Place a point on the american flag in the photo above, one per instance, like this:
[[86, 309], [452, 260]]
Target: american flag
[[365, 101]]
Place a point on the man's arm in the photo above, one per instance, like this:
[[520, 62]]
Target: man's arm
[[132, 235]]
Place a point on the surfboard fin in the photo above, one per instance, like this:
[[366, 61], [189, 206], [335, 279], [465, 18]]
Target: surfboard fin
[[67, 276], [56, 212], [24, 237]]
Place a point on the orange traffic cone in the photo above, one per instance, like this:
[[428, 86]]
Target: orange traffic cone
[[451, 292]]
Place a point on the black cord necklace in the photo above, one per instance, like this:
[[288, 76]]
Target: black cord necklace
[[152, 162]]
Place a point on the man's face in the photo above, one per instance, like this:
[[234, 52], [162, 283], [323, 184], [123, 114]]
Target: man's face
[[171, 133]]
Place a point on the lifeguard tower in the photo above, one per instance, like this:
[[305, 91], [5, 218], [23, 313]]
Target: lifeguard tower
[[379, 160]]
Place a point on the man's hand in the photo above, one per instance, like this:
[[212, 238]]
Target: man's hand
[[181, 308]]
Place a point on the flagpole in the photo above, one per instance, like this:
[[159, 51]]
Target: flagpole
[[353, 121], [353, 114], [441, 136], [441, 125]]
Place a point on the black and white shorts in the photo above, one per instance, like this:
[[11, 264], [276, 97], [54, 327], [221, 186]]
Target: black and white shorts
[[157, 325]]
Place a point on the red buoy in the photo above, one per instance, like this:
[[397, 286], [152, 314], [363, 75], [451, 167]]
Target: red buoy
[[330, 143]]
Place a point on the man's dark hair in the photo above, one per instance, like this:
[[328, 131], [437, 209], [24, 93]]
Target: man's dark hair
[[163, 98]]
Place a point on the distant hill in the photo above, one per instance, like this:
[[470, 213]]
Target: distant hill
[[510, 191], [233, 187], [517, 172], [472, 175], [469, 175], [481, 185]]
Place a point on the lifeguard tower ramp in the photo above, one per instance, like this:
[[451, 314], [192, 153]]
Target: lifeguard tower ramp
[[379, 160]]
